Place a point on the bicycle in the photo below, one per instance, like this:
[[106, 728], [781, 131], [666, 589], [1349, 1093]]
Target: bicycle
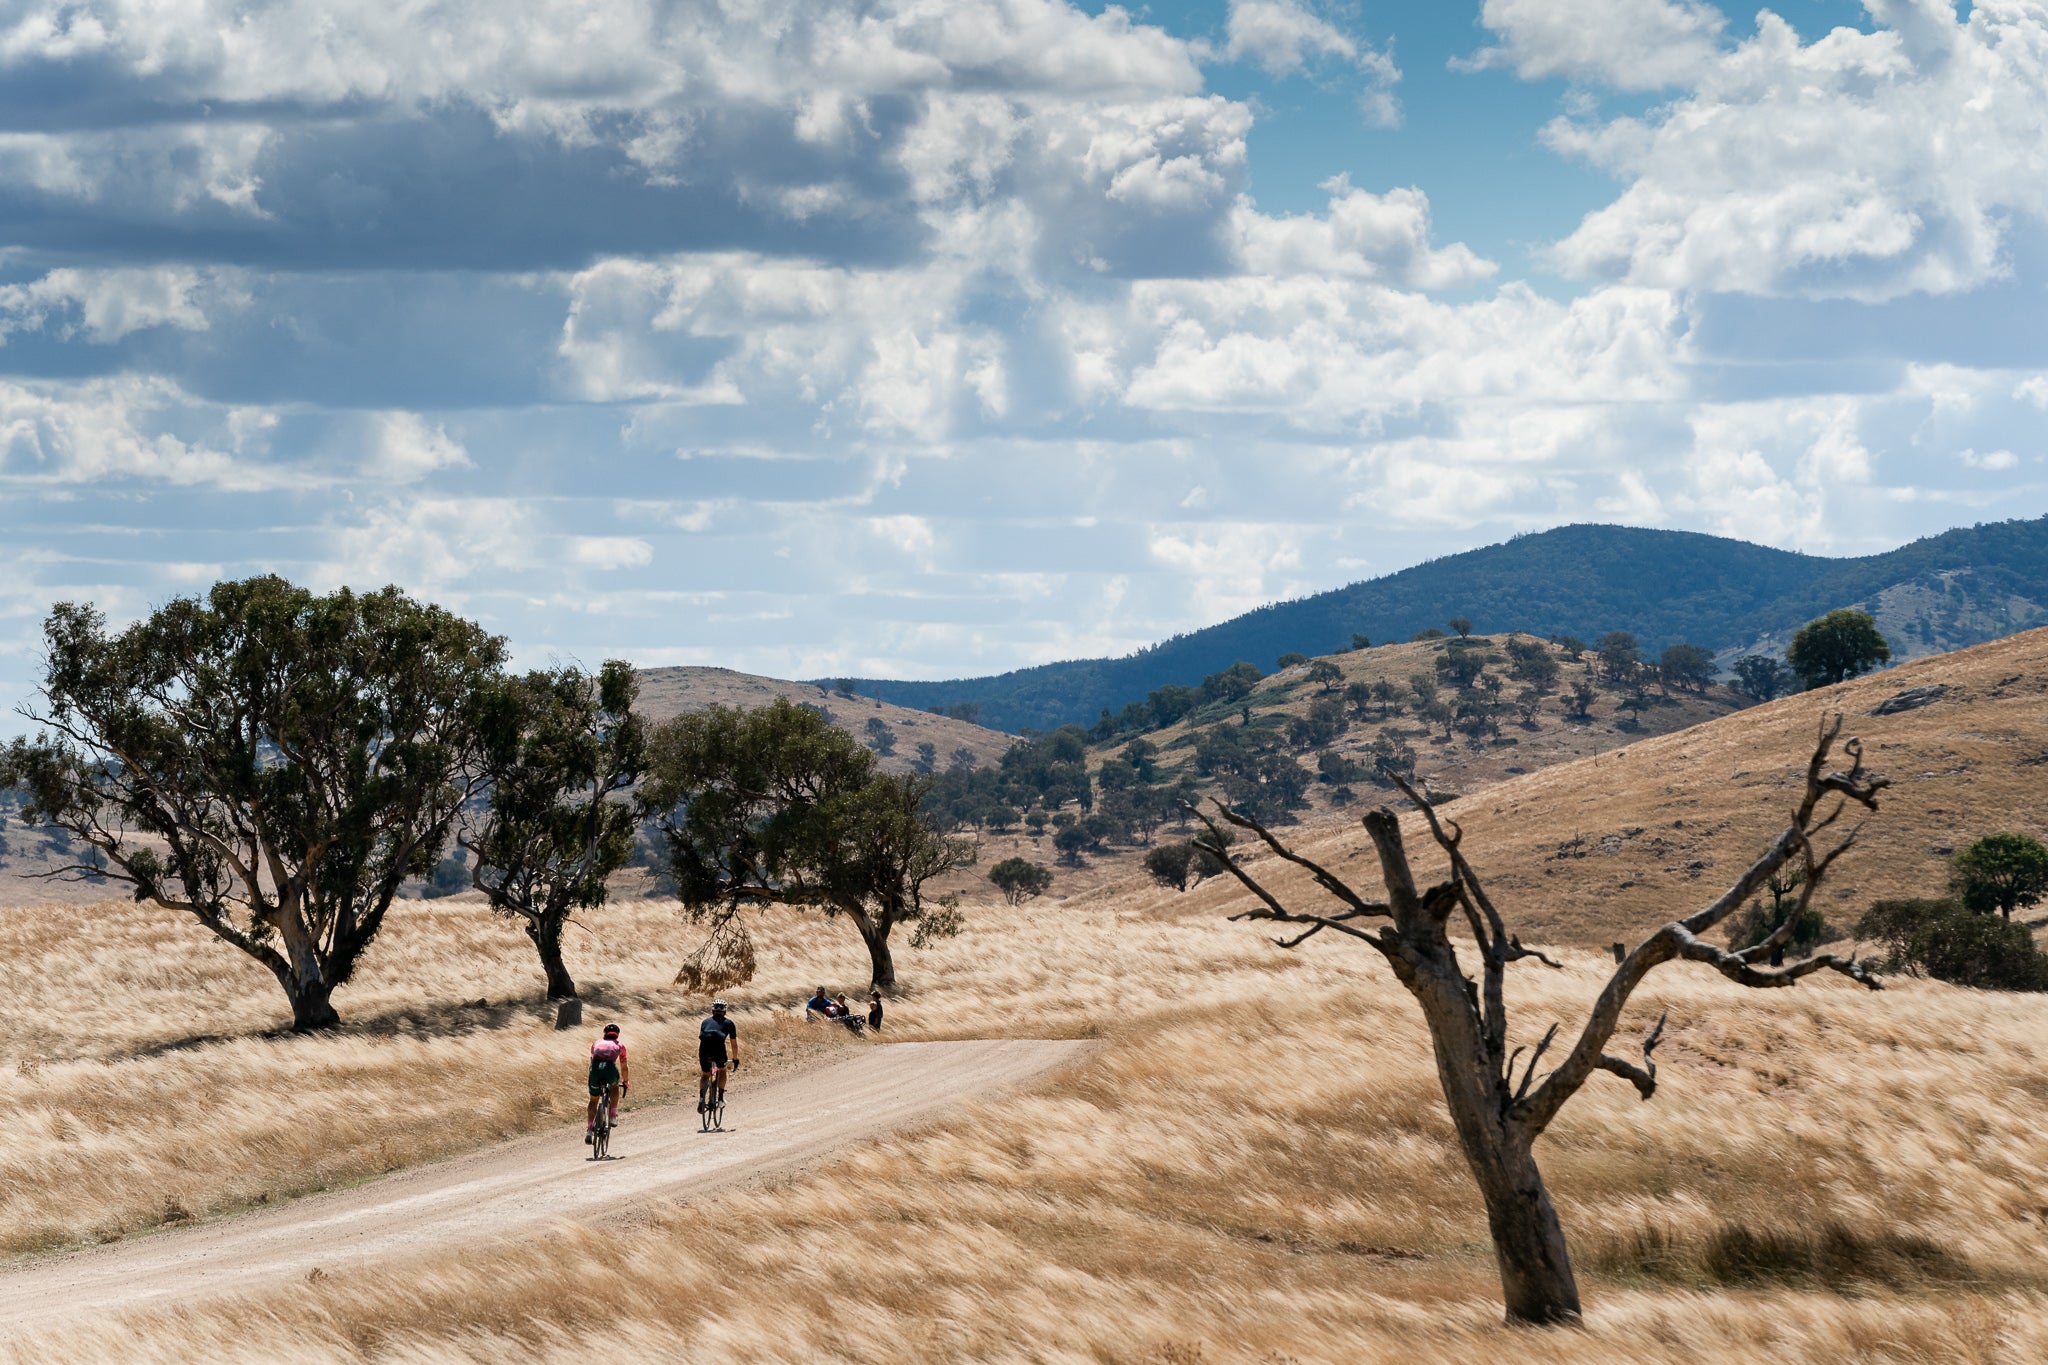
[[601, 1132], [712, 1116]]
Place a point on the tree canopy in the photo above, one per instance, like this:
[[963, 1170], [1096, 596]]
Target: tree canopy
[[2002, 872], [272, 763], [774, 806], [1838, 646], [561, 750]]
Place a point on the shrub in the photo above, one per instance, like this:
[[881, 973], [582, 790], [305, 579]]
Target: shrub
[[2002, 872], [1170, 865], [1949, 943], [1019, 880]]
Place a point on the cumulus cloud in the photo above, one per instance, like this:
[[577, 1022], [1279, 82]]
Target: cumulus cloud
[[1623, 44], [1285, 37], [1859, 165], [405, 449]]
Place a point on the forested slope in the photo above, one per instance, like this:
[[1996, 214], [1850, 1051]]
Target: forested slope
[[1665, 586]]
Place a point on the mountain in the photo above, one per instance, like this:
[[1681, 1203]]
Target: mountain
[[1961, 587]]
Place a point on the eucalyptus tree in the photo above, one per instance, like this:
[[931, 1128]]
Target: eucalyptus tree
[[774, 806], [271, 763], [1497, 1115], [561, 751]]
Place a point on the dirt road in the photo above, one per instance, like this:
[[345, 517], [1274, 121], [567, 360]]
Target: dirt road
[[505, 1190]]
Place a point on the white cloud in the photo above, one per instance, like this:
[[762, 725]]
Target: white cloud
[[117, 429], [444, 546], [404, 449], [1860, 165], [607, 553], [1625, 44], [1370, 236], [1285, 37], [103, 306]]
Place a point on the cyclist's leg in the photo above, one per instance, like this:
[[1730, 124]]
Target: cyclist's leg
[[703, 1084], [613, 1095], [720, 1077]]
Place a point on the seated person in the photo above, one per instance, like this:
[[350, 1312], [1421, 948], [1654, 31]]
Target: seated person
[[819, 1004]]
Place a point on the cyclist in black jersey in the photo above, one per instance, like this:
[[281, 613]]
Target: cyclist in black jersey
[[715, 1036]]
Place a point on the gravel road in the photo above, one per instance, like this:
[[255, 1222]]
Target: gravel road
[[658, 1154]]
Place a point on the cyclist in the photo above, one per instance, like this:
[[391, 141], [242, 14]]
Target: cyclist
[[714, 1035], [607, 1076]]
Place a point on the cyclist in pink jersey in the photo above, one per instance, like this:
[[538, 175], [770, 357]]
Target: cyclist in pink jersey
[[608, 1078]]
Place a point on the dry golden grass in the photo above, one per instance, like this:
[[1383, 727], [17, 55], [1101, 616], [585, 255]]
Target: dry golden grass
[[1254, 1165]]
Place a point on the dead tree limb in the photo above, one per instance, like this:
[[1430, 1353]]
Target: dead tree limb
[[1498, 1118]]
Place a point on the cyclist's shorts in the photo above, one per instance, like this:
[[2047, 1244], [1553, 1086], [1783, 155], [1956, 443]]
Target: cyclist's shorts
[[603, 1076], [710, 1055]]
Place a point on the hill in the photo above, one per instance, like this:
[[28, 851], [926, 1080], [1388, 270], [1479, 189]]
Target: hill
[[1941, 593], [1605, 847], [666, 692]]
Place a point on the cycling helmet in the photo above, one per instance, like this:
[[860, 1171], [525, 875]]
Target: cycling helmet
[[718, 1004], [611, 1030]]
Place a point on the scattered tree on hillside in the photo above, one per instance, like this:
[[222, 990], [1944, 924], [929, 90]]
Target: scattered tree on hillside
[[1441, 715], [1171, 864], [1620, 656], [1462, 625], [2002, 872], [1358, 696], [1071, 842], [1760, 922], [881, 737], [1580, 699], [774, 807], [962, 760], [1386, 696], [844, 687], [273, 764], [1531, 661], [1290, 660], [1762, 677], [1528, 702], [561, 749], [1497, 1116], [1234, 683], [1020, 880], [1424, 687], [927, 760], [1574, 648], [1359, 641], [1688, 667], [1425, 634], [1325, 674], [1841, 645]]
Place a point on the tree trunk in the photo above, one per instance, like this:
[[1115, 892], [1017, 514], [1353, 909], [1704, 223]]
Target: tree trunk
[[546, 933], [1536, 1280], [876, 936], [311, 1010]]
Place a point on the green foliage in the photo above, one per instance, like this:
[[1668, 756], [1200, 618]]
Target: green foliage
[[1359, 641], [273, 763], [1687, 666], [1760, 921], [927, 760], [1762, 677], [1949, 943], [1020, 880], [881, 736], [1426, 633], [560, 752], [775, 807], [1172, 865], [2002, 872], [1531, 661], [1290, 659], [1620, 656], [1840, 645], [1325, 674], [1461, 624], [1234, 683], [1071, 842], [1459, 666]]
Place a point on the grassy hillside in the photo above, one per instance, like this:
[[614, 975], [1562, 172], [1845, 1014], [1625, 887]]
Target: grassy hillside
[[1665, 586]]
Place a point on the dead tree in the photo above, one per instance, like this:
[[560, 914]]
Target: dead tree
[[1498, 1116]]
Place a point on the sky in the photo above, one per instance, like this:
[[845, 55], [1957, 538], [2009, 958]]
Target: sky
[[941, 337]]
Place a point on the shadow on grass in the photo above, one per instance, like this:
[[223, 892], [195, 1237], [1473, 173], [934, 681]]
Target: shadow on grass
[[1828, 1255], [447, 1019]]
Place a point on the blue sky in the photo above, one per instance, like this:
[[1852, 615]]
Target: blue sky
[[947, 336]]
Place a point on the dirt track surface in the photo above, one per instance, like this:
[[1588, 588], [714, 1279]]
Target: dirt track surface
[[657, 1154]]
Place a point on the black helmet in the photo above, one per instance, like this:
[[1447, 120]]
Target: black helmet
[[611, 1030]]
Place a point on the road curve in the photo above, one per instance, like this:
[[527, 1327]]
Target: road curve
[[659, 1153]]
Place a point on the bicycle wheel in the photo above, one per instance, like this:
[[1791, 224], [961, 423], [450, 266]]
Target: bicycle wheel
[[718, 1110], [601, 1136]]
